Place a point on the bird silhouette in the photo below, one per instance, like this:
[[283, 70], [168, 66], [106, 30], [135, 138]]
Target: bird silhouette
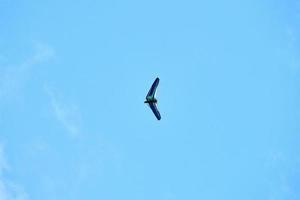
[[151, 100]]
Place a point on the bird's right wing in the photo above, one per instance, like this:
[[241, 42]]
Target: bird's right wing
[[153, 88], [155, 110]]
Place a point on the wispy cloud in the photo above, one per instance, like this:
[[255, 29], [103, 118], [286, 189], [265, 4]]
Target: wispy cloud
[[284, 168], [8, 189], [67, 114], [292, 45], [43, 53], [14, 76]]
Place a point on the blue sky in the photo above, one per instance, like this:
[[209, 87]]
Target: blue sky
[[74, 75]]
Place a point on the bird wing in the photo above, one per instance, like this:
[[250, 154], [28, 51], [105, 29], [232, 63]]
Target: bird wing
[[152, 90], [155, 110]]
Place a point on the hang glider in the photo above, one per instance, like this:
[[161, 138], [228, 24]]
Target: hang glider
[[151, 100]]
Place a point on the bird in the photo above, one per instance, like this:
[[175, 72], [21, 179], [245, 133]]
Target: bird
[[151, 100]]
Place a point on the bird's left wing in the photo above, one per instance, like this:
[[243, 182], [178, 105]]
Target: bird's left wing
[[153, 88], [155, 110]]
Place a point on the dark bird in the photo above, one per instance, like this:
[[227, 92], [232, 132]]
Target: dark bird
[[151, 100]]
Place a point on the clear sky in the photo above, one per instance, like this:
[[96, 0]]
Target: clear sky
[[74, 75]]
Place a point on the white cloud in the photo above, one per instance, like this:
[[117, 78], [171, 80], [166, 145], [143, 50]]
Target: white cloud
[[13, 77], [3, 163], [8, 189], [292, 44], [283, 168], [43, 53], [292, 39], [66, 114]]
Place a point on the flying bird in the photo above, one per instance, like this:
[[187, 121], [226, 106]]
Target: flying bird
[[151, 100]]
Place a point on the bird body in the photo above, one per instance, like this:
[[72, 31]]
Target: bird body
[[151, 100]]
